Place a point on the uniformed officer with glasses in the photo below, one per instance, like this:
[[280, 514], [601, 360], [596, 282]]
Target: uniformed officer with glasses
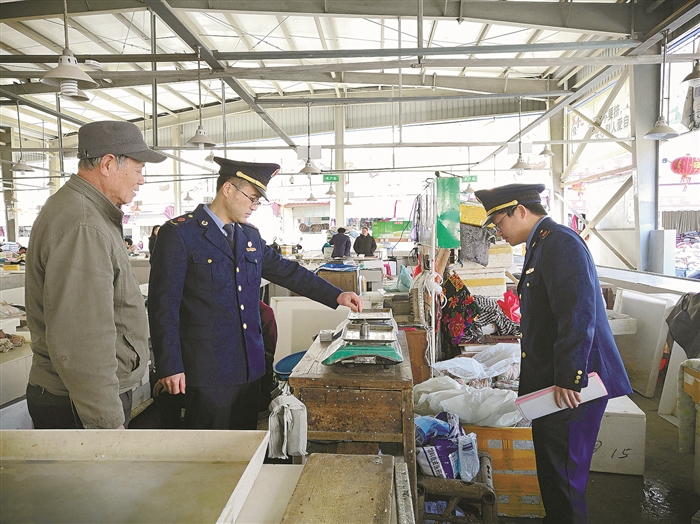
[[565, 336], [203, 299]]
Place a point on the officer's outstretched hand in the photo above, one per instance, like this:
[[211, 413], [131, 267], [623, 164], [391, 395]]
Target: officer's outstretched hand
[[350, 299]]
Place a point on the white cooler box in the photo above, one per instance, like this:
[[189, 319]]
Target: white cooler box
[[621, 440]]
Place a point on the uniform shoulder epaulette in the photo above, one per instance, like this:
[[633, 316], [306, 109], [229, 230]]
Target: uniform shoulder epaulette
[[251, 226], [182, 219], [543, 232]]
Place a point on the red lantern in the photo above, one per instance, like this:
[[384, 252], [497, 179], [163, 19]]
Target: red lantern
[[686, 166]]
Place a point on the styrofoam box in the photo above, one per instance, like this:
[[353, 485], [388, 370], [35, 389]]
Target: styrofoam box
[[620, 447], [500, 256]]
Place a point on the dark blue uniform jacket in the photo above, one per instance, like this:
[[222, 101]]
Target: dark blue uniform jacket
[[565, 329], [203, 300]]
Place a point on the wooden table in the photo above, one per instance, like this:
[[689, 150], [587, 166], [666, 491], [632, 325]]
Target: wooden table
[[364, 403]]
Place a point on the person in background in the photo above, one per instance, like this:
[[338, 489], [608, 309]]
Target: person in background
[[131, 248], [152, 239], [341, 244], [565, 336], [203, 304], [85, 311], [365, 243]]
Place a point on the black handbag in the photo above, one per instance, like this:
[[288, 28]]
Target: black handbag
[[684, 323]]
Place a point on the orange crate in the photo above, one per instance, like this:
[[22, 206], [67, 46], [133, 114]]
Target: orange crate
[[511, 449], [514, 469]]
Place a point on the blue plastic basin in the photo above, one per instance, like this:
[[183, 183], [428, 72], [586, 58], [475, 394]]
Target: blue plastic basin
[[284, 367]]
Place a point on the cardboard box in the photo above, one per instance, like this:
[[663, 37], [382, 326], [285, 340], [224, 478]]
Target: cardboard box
[[621, 440], [696, 471], [514, 469], [345, 280], [691, 383]]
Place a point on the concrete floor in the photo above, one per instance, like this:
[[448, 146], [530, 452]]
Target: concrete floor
[[664, 495]]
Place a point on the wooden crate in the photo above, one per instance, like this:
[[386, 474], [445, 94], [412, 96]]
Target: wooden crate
[[334, 487], [363, 403], [514, 469], [417, 344], [160, 476], [345, 280]]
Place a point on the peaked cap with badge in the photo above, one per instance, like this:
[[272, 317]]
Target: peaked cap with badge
[[504, 197], [258, 174], [106, 137]]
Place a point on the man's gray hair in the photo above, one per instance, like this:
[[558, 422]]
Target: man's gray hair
[[89, 164]]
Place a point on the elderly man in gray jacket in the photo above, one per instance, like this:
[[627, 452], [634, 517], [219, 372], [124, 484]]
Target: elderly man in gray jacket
[[85, 312]]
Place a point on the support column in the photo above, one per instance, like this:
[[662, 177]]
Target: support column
[[556, 132], [339, 124], [177, 186], [6, 138], [644, 101], [54, 166]]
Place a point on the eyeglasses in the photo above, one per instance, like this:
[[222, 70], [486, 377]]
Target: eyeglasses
[[255, 201], [498, 225]]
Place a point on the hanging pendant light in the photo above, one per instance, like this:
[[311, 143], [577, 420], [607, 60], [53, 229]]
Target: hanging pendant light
[[311, 198], [79, 96], [20, 166], [200, 138], [188, 198], [694, 77], [67, 75], [520, 166], [546, 151], [347, 200], [309, 168], [209, 157], [330, 191], [662, 131]]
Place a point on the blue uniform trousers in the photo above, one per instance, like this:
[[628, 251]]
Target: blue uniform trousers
[[222, 407], [564, 444]]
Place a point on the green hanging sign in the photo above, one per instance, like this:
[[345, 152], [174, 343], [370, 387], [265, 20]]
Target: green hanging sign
[[469, 178], [331, 178]]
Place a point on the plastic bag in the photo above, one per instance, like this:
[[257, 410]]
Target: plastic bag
[[494, 361], [429, 427], [510, 306], [468, 457], [439, 459], [288, 426], [479, 407], [405, 279]]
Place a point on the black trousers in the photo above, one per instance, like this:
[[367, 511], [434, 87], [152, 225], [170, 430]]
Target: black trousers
[[49, 411], [564, 445], [230, 407]]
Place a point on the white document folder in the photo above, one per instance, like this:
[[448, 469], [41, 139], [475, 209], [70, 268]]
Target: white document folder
[[540, 403]]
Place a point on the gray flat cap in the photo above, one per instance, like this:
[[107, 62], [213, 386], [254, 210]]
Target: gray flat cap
[[97, 139]]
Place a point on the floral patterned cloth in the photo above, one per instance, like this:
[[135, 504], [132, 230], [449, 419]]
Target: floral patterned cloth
[[458, 314]]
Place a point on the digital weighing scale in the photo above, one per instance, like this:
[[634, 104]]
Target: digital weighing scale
[[369, 337]]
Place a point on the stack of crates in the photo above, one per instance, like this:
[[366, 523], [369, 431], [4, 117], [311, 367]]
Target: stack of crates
[[489, 281], [514, 469]]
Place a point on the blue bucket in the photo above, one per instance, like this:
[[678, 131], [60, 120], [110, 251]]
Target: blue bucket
[[284, 367]]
